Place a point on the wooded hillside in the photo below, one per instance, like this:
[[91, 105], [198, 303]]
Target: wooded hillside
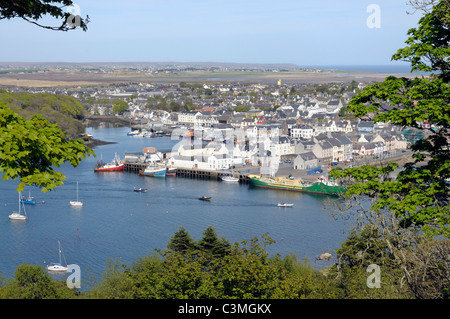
[[64, 110]]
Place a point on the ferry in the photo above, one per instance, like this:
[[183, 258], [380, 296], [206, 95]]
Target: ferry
[[322, 186]]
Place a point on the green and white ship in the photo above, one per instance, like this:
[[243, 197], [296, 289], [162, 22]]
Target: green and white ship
[[322, 186]]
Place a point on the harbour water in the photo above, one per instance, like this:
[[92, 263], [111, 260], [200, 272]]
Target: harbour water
[[117, 223]]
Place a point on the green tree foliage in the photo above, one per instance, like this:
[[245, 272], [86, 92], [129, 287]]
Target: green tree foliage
[[30, 149], [420, 194], [416, 201], [212, 246], [202, 270], [247, 271], [56, 108], [242, 108], [119, 106], [33, 282], [34, 10], [428, 45], [181, 241]]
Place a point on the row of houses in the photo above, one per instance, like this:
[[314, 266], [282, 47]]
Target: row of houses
[[261, 146]]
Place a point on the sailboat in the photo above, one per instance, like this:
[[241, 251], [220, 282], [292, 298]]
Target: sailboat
[[58, 266], [17, 215], [76, 203]]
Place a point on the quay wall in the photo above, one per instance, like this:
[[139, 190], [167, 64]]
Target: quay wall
[[135, 167]]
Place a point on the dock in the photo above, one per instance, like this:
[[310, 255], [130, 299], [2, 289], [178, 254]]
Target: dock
[[210, 175], [135, 167]]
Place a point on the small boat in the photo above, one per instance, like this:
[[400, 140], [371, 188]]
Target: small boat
[[29, 200], [285, 205], [18, 215], [140, 190], [205, 198], [115, 165], [58, 266], [231, 179], [76, 203], [133, 132], [171, 172]]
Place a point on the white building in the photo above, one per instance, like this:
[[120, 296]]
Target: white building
[[302, 131], [188, 117]]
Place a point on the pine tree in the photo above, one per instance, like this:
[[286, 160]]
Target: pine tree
[[181, 241]]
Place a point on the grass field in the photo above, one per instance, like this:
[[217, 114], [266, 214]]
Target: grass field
[[82, 78]]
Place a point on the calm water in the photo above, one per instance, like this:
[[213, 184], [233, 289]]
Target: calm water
[[116, 222]]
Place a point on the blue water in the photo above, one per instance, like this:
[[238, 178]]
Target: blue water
[[396, 69], [116, 222]]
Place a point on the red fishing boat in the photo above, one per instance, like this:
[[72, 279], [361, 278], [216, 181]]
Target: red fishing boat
[[116, 165]]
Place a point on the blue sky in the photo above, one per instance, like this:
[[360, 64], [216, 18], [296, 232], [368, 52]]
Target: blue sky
[[319, 32]]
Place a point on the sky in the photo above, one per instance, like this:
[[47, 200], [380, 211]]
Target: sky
[[302, 32]]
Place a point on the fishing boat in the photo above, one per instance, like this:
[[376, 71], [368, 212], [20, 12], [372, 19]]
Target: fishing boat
[[154, 171], [76, 203], [58, 266], [285, 205], [140, 190], [204, 198], [321, 186], [115, 165], [18, 215], [28, 200], [231, 179]]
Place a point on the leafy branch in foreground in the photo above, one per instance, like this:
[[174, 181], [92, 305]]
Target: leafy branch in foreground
[[29, 149], [402, 204], [34, 10]]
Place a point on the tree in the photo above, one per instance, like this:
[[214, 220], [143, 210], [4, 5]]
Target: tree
[[119, 106], [181, 241], [242, 108], [30, 149], [416, 201], [33, 282], [212, 245], [428, 45], [34, 10]]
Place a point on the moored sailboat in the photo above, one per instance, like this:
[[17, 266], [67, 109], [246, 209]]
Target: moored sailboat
[[58, 266], [76, 203], [18, 215]]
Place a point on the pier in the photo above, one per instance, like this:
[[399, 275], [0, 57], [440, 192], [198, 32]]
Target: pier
[[210, 175], [135, 167]]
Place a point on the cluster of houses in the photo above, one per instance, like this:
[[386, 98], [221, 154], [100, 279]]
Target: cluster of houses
[[223, 146], [275, 123]]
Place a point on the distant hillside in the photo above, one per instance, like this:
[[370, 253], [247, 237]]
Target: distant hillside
[[64, 110]]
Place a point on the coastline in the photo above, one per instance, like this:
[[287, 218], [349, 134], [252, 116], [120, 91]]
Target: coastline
[[92, 143]]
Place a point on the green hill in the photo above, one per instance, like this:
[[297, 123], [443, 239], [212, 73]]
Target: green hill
[[64, 110]]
